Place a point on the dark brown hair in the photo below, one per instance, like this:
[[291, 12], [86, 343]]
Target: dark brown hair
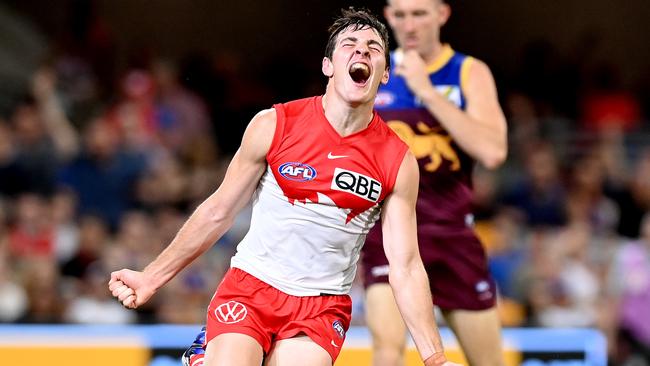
[[356, 20]]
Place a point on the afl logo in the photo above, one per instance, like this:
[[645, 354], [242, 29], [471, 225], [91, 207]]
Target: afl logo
[[230, 312], [298, 172], [338, 328]]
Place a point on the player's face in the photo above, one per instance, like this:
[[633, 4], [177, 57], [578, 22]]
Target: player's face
[[416, 23], [358, 65]]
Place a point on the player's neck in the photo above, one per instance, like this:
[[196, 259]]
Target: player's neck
[[345, 118], [433, 53]]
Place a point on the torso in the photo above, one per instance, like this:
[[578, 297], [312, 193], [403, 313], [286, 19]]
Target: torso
[[317, 200]]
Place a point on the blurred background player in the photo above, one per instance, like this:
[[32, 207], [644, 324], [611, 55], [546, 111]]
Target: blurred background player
[[285, 300], [444, 105]]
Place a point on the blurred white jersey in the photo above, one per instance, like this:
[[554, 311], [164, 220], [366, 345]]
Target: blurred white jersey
[[317, 200]]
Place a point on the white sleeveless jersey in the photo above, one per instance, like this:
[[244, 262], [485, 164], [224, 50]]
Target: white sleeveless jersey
[[319, 197]]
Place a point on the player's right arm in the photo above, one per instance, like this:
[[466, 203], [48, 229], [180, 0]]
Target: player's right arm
[[208, 222], [407, 276]]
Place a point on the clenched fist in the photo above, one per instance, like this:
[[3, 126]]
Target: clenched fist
[[131, 288]]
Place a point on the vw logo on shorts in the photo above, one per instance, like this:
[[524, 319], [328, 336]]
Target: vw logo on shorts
[[230, 312]]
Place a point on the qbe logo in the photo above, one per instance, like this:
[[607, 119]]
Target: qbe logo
[[357, 184], [298, 172]]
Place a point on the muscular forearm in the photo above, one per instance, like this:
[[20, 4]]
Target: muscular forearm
[[480, 140], [411, 289], [200, 232]]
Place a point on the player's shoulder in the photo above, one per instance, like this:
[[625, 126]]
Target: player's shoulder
[[473, 63], [478, 73], [265, 116], [478, 64], [409, 161], [408, 173], [263, 123], [473, 71]]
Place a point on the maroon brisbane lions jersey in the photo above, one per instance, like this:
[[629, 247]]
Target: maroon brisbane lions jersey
[[445, 193], [445, 234]]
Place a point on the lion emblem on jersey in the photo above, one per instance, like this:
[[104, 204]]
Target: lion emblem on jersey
[[431, 144]]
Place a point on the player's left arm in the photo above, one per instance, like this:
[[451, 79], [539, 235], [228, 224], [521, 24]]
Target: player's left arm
[[407, 276], [481, 129]]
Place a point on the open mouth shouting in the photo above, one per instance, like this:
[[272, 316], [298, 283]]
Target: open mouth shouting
[[360, 73]]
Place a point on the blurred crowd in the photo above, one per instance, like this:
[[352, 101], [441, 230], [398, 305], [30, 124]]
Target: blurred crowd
[[101, 164]]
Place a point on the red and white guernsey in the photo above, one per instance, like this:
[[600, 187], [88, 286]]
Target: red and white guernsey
[[317, 200]]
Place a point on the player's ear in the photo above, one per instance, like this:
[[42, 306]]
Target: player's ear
[[444, 12], [385, 76], [327, 67]]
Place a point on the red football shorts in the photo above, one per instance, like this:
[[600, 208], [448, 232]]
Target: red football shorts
[[246, 305]]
